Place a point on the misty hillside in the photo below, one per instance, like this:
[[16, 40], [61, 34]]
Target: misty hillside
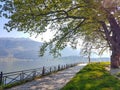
[[19, 48], [23, 48]]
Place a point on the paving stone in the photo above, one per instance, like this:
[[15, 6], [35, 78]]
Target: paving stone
[[51, 82]]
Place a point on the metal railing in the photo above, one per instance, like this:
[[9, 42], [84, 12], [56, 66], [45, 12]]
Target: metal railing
[[19, 76]]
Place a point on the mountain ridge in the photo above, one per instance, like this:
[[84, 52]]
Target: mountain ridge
[[25, 48]]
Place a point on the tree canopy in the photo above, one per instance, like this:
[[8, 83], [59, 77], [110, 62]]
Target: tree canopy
[[69, 19]]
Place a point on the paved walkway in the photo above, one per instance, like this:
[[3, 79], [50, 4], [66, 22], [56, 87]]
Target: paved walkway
[[51, 82]]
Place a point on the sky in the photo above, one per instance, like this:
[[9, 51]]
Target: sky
[[4, 33], [16, 34]]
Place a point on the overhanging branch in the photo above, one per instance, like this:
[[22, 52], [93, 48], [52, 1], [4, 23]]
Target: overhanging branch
[[107, 34]]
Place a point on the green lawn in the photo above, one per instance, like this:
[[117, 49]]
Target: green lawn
[[93, 77]]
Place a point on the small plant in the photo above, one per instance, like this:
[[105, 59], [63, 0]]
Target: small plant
[[1, 87], [16, 83], [118, 75]]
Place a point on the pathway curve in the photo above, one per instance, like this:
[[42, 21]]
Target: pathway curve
[[51, 82]]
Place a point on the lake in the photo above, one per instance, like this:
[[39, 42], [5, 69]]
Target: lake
[[18, 65], [10, 66]]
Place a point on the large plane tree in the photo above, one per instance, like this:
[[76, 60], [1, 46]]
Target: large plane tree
[[70, 20]]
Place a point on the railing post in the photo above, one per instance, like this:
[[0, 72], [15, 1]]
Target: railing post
[[21, 76], [58, 67], [43, 71], [50, 69], [34, 73], [54, 69], [66, 66], [1, 78], [62, 67]]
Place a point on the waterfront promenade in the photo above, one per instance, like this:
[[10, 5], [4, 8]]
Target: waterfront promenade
[[52, 82]]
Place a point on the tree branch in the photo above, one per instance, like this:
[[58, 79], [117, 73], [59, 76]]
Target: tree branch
[[79, 24], [108, 37]]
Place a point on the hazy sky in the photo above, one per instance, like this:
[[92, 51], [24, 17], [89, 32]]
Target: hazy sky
[[4, 33], [16, 34]]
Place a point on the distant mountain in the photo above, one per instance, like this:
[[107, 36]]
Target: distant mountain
[[100, 59], [72, 58], [84, 59], [24, 48], [20, 48]]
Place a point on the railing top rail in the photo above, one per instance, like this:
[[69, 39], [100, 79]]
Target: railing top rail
[[22, 71], [29, 70], [12, 77]]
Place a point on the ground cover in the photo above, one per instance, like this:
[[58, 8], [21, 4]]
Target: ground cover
[[93, 77]]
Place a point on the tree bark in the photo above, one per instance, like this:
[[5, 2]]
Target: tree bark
[[115, 38], [89, 55], [89, 59], [115, 60]]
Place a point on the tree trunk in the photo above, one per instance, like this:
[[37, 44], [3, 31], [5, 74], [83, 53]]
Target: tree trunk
[[115, 60], [115, 42], [89, 59]]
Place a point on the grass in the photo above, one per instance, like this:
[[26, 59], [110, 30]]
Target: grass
[[118, 75], [93, 77]]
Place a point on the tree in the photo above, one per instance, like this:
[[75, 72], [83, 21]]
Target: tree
[[87, 51], [70, 19], [90, 44]]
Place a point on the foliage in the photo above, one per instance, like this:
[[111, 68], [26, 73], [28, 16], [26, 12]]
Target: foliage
[[93, 77], [70, 20]]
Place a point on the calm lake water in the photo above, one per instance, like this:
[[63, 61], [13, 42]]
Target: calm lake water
[[10, 66], [17, 65]]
